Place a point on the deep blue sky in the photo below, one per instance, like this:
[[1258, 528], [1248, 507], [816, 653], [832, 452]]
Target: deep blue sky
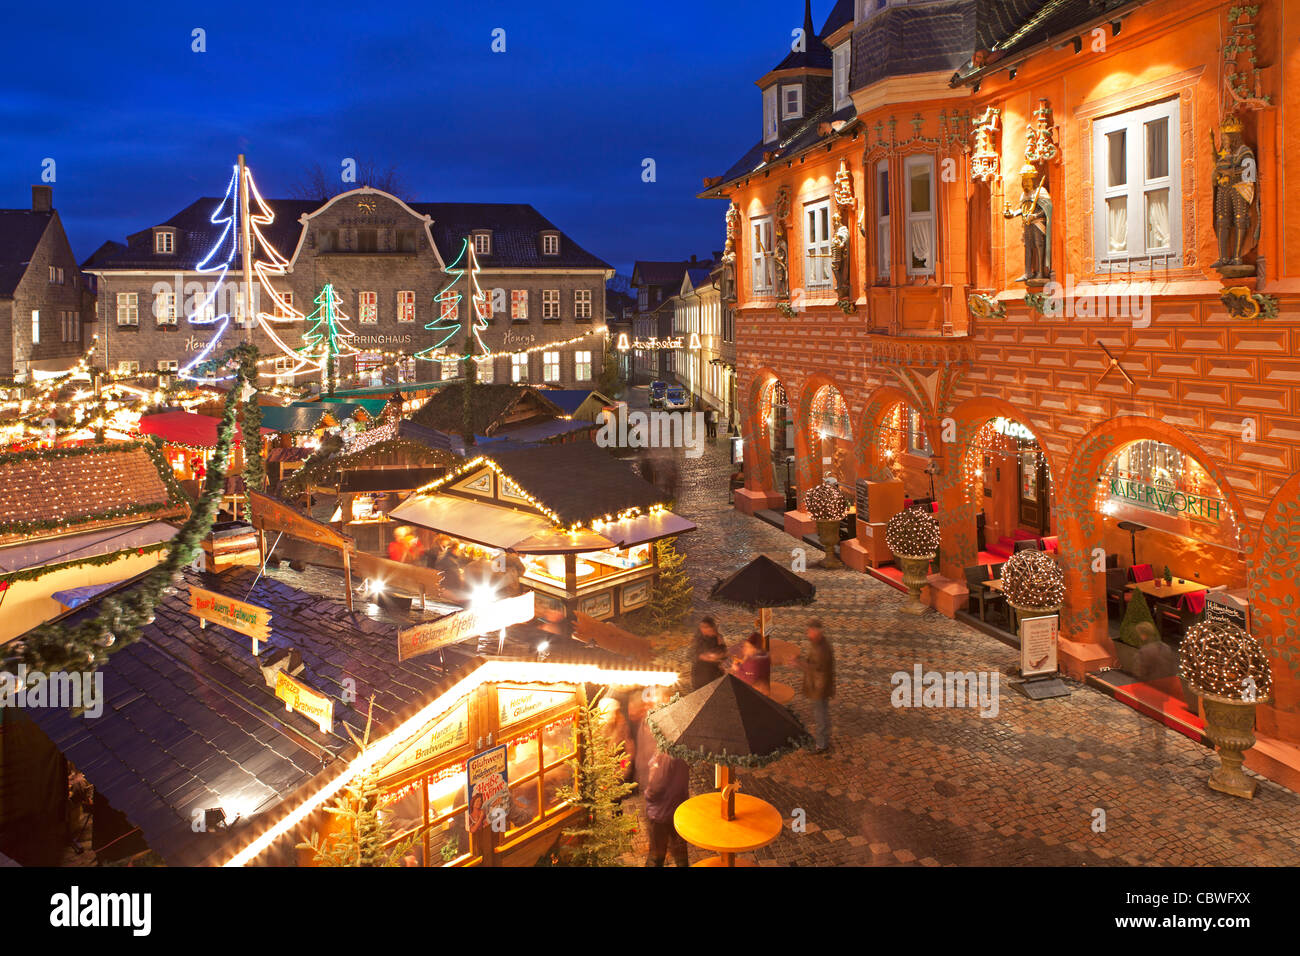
[[140, 126]]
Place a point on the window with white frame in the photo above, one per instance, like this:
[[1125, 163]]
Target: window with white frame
[[921, 240], [550, 244], [486, 369], [791, 102], [840, 61], [582, 304], [817, 245], [283, 305], [761, 255], [519, 305], [449, 305], [164, 308], [550, 366], [406, 306], [169, 365], [1136, 181], [36, 326], [550, 303], [71, 327], [127, 368], [368, 308], [582, 366], [770, 124], [128, 308], [483, 243], [283, 368], [450, 368], [56, 275], [164, 241], [519, 368]]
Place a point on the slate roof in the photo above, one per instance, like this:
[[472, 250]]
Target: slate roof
[[492, 403], [648, 272], [568, 399], [578, 481], [814, 55], [20, 232], [189, 722], [516, 236], [903, 40], [801, 137], [112, 485], [840, 14]]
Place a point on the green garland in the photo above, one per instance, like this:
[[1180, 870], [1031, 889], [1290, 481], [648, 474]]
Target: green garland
[[250, 420], [58, 646], [95, 561]]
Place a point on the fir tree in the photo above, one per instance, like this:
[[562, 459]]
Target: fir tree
[[671, 598], [604, 832], [362, 832], [1136, 613]]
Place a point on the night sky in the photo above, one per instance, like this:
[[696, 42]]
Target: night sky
[[140, 126]]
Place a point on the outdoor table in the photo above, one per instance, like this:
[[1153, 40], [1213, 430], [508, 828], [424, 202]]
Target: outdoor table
[[781, 693], [1160, 591], [996, 585], [699, 822], [719, 861]]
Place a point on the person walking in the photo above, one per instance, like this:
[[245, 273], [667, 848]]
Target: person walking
[[754, 666], [708, 650], [667, 788], [819, 682], [711, 424]]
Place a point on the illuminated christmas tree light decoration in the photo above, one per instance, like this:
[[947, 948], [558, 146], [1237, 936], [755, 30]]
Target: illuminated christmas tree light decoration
[[449, 321], [912, 533], [329, 338], [1033, 579]]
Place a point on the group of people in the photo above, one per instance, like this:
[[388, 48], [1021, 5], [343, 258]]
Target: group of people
[[711, 658], [464, 566]]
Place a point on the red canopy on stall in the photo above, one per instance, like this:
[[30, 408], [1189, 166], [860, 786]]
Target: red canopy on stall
[[187, 428]]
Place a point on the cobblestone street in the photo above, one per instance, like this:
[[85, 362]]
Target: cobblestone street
[[946, 786]]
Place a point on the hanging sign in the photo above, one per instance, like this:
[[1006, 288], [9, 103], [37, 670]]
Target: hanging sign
[[245, 618], [487, 791], [517, 703], [447, 733], [299, 698], [1038, 645], [463, 625]]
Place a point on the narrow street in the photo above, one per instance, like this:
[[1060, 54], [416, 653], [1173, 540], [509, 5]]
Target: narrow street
[[1081, 780]]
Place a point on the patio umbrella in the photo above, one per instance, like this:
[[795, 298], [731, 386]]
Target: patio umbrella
[[763, 583]]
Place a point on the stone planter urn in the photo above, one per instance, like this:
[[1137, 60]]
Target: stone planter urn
[[916, 569], [829, 533], [1230, 725]]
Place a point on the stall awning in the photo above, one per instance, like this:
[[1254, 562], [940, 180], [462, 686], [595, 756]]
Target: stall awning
[[91, 544], [470, 520], [651, 527], [187, 428]]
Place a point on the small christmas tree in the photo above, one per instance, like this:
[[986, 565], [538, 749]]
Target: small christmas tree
[[670, 601], [362, 832], [1136, 613], [329, 338], [604, 833]]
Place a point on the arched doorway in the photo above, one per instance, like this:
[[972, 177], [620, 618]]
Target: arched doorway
[[768, 434], [830, 438]]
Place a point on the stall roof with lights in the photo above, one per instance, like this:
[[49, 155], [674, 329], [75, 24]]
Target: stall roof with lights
[[188, 429]]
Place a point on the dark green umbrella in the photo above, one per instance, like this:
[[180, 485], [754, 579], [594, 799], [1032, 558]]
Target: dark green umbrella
[[763, 583]]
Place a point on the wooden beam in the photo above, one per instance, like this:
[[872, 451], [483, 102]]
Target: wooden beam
[[411, 577]]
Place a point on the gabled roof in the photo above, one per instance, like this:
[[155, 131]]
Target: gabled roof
[[189, 722], [495, 407], [571, 399], [840, 14], [801, 137], [178, 427], [659, 272], [55, 491], [20, 233]]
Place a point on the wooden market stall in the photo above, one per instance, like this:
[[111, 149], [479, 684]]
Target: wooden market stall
[[582, 523]]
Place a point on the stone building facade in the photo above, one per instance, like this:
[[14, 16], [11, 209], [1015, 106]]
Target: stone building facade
[[387, 261]]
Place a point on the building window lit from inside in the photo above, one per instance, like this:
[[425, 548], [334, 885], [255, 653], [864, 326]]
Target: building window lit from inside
[[519, 368], [164, 308], [368, 308], [761, 256], [917, 441], [817, 245], [582, 304], [128, 309], [36, 327], [450, 367], [164, 241], [406, 306], [1136, 164], [368, 367], [550, 366], [550, 304], [486, 369], [519, 305], [284, 371], [582, 366], [921, 238]]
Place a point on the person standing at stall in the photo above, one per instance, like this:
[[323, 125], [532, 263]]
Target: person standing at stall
[[754, 666], [708, 650], [819, 682], [668, 787]]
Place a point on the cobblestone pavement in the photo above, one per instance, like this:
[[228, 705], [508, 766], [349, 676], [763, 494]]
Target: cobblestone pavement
[[939, 786]]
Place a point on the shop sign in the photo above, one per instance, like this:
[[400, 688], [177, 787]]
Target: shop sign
[[447, 733], [1165, 498], [487, 792], [1038, 645], [519, 703], [1223, 608], [1005, 426], [299, 698], [382, 340], [463, 625], [245, 618]]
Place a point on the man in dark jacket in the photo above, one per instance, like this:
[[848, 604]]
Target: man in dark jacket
[[819, 683], [666, 789]]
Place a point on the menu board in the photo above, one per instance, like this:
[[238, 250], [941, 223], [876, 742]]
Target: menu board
[[1038, 645], [1220, 606], [864, 500]]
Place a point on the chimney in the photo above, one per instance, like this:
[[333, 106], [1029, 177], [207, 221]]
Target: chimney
[[693, 260], [42, 198]]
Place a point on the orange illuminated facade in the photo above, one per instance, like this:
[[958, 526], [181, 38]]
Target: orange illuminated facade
[[889, 319]]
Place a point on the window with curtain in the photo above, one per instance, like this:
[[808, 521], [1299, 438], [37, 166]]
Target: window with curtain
[[817, 245], [882, 219], [920, 237], [761, 256], [1138, 221]]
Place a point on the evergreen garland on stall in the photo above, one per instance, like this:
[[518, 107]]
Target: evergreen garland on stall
[[250, 419], [604, 831], [58, 646]]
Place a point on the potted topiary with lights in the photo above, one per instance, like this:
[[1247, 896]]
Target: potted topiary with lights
[[828, 506], [1033, 583], [1230, 671], [913, 537]]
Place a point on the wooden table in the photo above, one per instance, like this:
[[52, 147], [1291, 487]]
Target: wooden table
[[1160, 591], [699, 822]]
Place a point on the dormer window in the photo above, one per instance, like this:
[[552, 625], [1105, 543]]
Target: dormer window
[[164, 241], [482, 243], [791, 102], [840, 74], [770, 125], [869, 8], [550, 243]]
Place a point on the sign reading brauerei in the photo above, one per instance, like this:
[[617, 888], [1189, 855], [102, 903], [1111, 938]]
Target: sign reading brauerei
[[463, 625]]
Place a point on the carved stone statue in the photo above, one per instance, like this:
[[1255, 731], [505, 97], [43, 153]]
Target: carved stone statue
[[781, 260], [840, 256], [1236, 196], [1035, 212], [729, 254]]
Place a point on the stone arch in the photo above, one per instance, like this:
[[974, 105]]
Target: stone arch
[[760, 473], [1275, 608], [807, 449], [881, 400], [1083, 618]]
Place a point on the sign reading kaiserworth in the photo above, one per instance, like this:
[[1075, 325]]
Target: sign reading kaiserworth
[[245, 618], [300, 698], [463, 625]]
